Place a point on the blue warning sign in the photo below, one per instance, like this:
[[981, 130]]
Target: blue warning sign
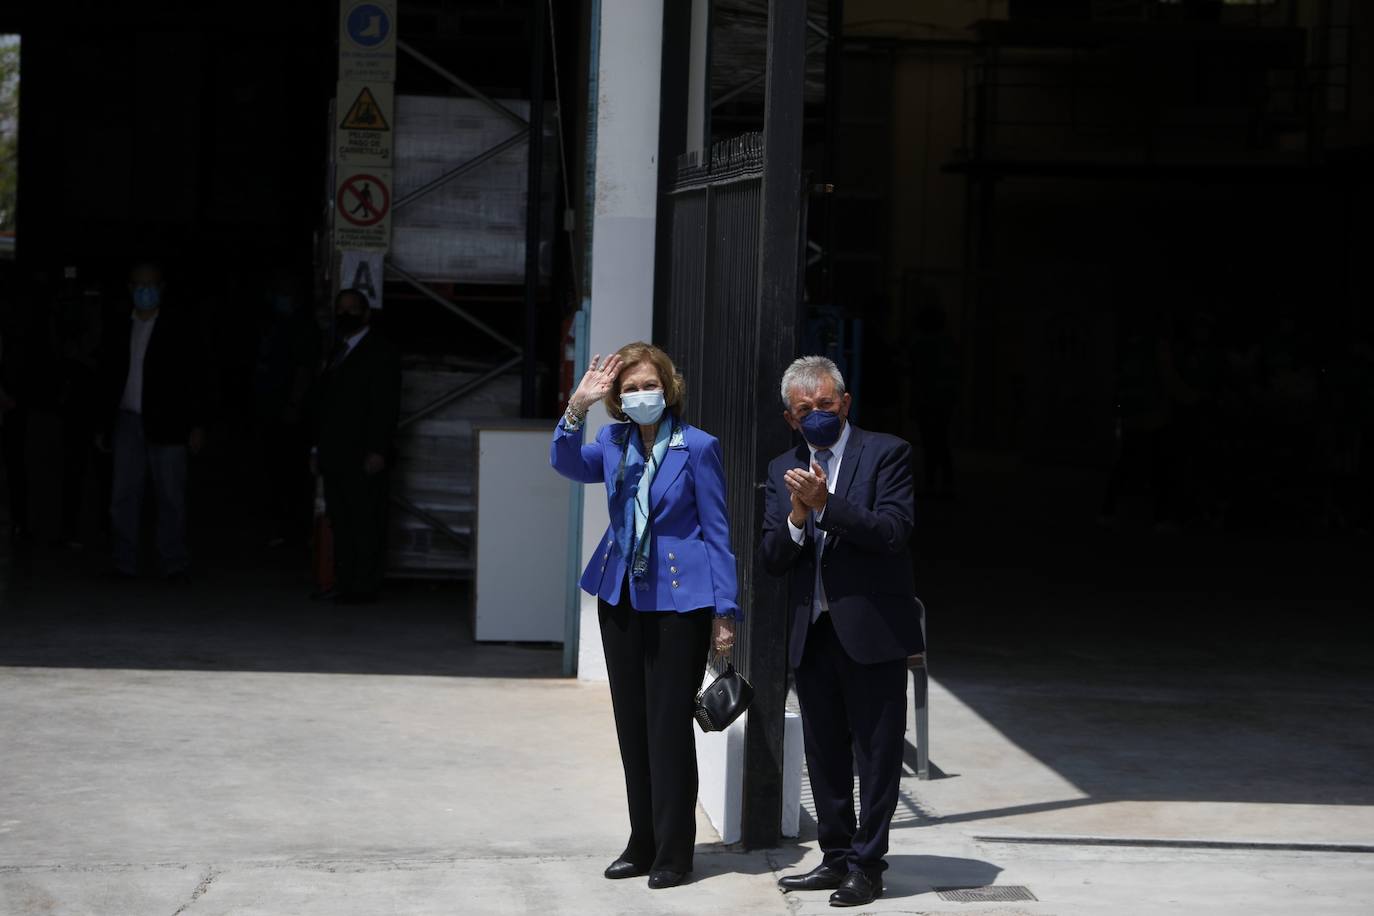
[[368, 25]]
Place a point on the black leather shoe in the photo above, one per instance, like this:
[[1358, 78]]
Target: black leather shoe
[[661, 878], [820, 878], [624, 868], [856, 890]]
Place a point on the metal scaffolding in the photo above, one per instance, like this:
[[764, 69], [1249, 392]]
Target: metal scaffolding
[[510, 353]]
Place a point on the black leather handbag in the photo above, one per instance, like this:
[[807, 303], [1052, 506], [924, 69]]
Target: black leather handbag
[[723, 700]]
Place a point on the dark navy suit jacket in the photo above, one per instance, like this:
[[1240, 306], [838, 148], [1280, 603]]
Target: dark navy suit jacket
[[866, 567], [691, 565]]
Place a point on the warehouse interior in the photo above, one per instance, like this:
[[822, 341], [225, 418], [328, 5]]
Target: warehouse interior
[[1098, 259], [201, 139], [1100, 262]]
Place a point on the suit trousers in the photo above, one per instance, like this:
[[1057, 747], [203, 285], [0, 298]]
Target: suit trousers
[[357, 506], [851, 713], [135, 460], [655, 661]]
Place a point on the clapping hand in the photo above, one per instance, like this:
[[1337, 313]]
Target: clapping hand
[[809, 488], [596, 383], [799, 510]]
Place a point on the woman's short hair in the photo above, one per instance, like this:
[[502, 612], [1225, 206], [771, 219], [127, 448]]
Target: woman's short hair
[[674, 388], [807, 373]]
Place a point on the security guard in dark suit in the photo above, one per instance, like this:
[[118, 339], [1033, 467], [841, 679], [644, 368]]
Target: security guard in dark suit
[[359, 402]]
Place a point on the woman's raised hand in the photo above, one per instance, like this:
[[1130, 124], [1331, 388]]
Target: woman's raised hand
[[596, 383]]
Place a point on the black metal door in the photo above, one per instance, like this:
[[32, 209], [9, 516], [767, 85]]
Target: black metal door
[[713, 305], [727, 308], [731, 327]]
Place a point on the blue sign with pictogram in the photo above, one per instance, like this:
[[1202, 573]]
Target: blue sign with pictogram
[[367, 42], [368, 25]]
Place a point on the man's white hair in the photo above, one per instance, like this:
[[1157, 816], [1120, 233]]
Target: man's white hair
[[807, 374]]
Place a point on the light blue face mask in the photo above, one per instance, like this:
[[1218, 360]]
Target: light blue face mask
[[147, 298], [644, 407]]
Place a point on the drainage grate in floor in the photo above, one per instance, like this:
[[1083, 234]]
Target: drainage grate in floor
[[1002, 893]]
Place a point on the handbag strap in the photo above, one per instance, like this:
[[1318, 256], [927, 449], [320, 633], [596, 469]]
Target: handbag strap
[[714, 658]]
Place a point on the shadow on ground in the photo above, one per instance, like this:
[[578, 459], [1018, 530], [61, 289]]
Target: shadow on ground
[[250, 611], [1195, 665], [911, 876]]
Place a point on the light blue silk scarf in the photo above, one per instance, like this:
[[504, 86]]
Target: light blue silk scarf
[[635, 533]]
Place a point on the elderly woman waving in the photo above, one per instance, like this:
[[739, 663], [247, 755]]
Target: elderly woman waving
[[664, 575]]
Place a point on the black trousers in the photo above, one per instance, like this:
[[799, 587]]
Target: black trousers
[[851, 713], [1143, 453], [655, 661], [357, 505]]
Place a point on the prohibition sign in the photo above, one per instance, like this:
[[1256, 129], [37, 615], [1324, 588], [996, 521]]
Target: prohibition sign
[[358, 203]]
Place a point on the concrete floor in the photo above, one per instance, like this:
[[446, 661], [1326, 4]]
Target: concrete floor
[[144, 792], [233, 748]]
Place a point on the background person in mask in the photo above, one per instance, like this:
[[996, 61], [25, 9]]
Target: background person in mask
[[837, 517], [359, 403], [153, 401], [664, 575]]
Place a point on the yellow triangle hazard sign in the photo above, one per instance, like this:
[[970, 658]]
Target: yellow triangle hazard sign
[[365, 114]]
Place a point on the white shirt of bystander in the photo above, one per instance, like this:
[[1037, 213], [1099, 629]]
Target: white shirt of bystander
[[139, 335]]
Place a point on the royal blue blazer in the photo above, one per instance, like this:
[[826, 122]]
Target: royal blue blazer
[[691, 565]]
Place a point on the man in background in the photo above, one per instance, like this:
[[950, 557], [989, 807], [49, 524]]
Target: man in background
[[359, 404], [153, 400]]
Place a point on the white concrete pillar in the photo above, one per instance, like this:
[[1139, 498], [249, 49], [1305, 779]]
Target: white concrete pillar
[[624, 209], [699, 75]]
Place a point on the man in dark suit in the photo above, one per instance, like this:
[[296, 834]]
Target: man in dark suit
[[153, 406], [360, 399], [837, 520]]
